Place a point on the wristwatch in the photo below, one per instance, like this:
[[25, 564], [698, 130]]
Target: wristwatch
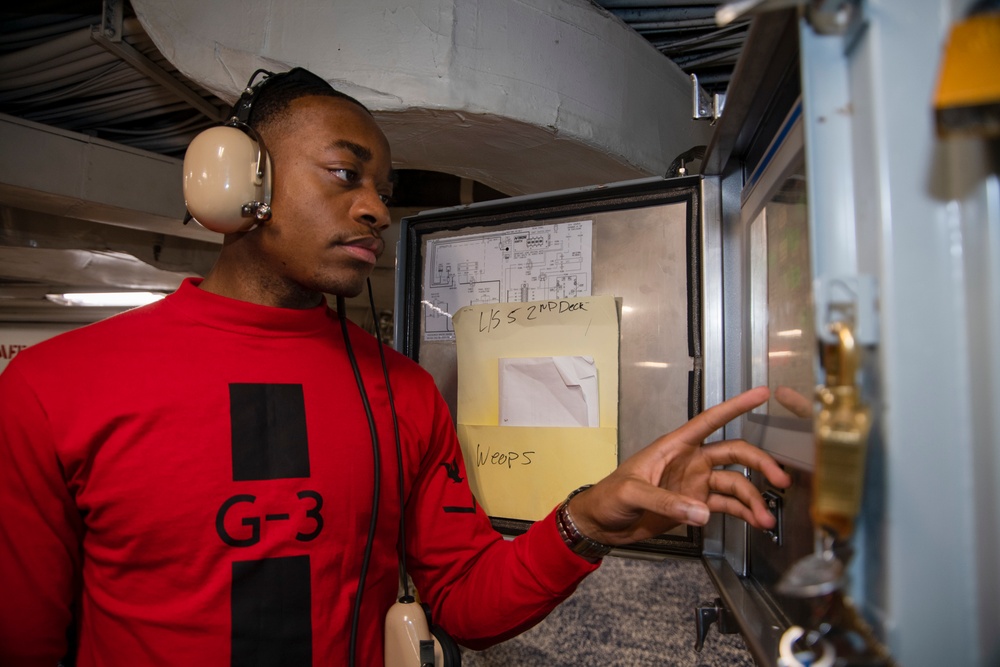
[[588, 549]]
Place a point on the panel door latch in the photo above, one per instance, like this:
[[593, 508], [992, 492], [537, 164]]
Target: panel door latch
[[774, 506], [705, 616]]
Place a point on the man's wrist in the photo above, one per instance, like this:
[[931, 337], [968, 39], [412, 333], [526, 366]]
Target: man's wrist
[[583, 546]]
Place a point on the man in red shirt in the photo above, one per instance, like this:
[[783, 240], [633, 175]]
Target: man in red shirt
[[219, 506]]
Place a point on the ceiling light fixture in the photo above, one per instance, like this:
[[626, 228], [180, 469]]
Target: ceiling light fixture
[[105, 299]]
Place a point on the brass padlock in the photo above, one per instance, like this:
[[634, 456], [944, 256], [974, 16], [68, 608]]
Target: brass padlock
[[842, 426]]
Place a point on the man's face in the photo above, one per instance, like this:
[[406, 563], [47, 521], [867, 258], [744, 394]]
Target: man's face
[[332, 178]]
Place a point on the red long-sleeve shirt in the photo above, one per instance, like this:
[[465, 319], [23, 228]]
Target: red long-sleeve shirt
[[191, 482]]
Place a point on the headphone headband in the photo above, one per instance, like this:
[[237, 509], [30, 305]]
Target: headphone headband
[[297, 77], [241, 110]]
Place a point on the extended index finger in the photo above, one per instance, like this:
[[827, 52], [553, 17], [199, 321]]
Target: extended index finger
[[717, 416], [739, 452]]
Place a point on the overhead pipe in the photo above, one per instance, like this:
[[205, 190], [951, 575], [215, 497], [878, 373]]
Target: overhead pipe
[[670, 50], [672, 26], [41, 35], [112, 79], [631, 16], [151, 108], [105, 109], [44, 53], [735, 31], [57, 75], [715, 58], [631, 4]]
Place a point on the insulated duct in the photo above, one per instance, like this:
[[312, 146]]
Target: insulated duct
[[522, 95]]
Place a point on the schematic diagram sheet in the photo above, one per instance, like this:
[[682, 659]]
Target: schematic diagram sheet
[[525, 264]]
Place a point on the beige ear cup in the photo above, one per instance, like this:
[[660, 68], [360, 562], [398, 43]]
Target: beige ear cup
[[222, 188]]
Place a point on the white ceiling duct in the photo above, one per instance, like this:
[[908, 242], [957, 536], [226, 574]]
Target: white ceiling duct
[[522, 95], [86, 268]]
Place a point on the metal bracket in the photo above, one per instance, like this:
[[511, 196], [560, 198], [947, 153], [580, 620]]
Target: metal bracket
[[112, 16], [827, 17], [705, 616], [133, 57], [704, 106]]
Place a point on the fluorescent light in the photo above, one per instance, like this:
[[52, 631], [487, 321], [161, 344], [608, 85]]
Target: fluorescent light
[[106, 299]]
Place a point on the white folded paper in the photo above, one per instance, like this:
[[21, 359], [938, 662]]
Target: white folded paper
[[548, 391]]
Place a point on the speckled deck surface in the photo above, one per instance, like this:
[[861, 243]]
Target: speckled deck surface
[[629, 613]]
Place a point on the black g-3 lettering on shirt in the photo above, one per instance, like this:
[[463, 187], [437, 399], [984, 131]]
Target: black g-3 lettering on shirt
[[271, 599]]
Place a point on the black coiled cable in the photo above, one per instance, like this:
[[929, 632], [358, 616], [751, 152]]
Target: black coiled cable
[[376, 455], [356, 615]]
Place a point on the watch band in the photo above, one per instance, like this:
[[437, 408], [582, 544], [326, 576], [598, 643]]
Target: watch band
[[580, 544]]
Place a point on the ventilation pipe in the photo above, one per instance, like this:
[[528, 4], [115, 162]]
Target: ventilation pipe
[[522, 95]]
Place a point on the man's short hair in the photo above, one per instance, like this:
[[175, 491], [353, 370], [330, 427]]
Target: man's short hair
[[277, 91]]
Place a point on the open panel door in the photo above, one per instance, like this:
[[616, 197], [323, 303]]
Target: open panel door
[[638, 242]]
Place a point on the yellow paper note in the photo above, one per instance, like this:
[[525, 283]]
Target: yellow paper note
[[522, 472]]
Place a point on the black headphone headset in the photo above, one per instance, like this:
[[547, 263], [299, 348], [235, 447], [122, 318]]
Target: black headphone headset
[[227, 189], [227, 171]]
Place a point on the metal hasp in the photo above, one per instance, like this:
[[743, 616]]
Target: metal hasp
[[705, 616]]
